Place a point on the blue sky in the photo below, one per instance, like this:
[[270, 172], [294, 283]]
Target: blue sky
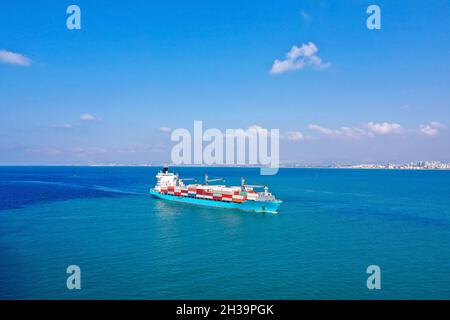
[[102, 93]]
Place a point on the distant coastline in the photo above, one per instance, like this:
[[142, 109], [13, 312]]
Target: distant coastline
[[418, 165]]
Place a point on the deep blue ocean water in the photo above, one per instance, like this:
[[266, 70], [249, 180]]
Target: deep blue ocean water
[[332, 225]]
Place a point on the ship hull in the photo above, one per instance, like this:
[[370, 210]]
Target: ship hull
[[252, 206]]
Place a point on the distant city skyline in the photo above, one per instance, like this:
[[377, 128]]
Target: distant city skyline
[[113, 91]]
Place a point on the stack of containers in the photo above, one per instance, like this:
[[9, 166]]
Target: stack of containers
[[207, 194], [238, 198], [192, 191], [227, 194], [201, 193], [218, 193], [227, 197], [252, 196], [163, 190]]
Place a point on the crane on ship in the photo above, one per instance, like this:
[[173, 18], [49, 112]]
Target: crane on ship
[[177, 179], [244, 186], [207, 180]]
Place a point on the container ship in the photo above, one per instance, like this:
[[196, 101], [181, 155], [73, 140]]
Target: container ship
[[170, 187]]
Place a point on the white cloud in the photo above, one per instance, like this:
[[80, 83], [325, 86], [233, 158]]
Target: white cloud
[[18, 59], [431, 129], [348, 132], [63, 126], [353, 132], [384, 128], [298, 58], [165, 129], [373, 129], [295, 135], [305, 16], [87, 117], [368, 130], [325, 131], [239, 132]]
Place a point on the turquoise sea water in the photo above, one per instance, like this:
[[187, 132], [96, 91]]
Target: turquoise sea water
[[332, 225]]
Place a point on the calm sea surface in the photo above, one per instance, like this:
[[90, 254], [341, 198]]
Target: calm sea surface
[[332, 225]]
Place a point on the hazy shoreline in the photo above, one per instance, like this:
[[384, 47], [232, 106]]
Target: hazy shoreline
[[355, 167]]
